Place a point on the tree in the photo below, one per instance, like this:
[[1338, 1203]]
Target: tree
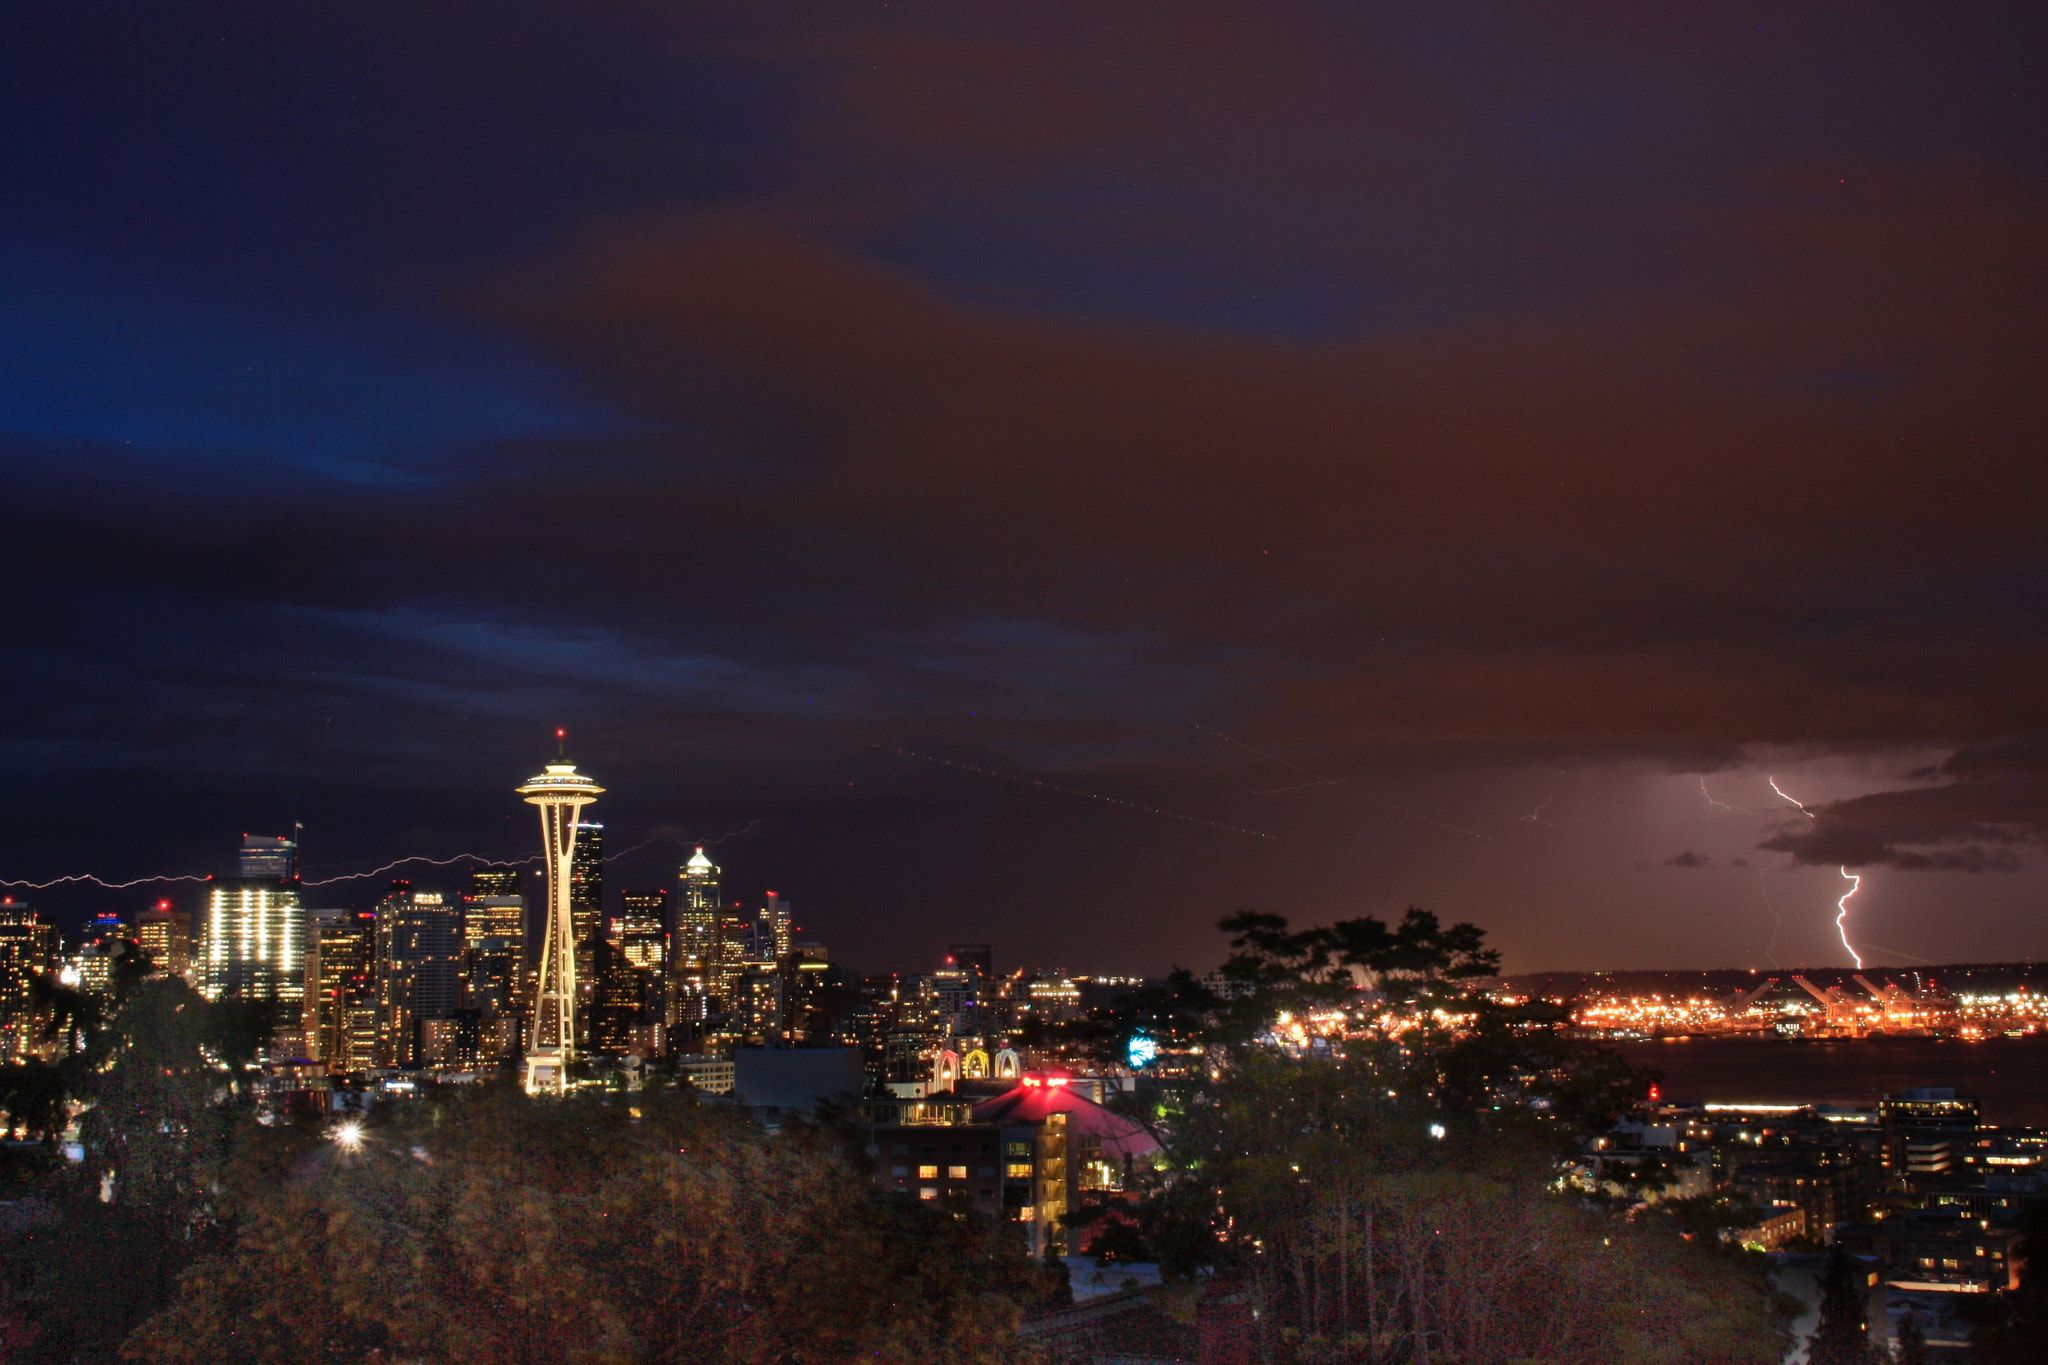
[[1842, 1335], [491, 1228], [1912, 1341], [160, 1081], [1370, 1147]]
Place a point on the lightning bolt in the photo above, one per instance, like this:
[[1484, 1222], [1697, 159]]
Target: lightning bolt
[[97, 881], [1723, 805], [422, 858], [1842, 913], [1855, 880], [1535, 817], [1780, 791]]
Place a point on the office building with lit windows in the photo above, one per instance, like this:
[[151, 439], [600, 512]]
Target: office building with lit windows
[[166, 935], [418, 966], [341, 990], [28, 950], [586, 884], [255, 942]]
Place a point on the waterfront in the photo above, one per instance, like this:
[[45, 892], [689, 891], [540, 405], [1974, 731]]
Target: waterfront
[[2009, 1076]]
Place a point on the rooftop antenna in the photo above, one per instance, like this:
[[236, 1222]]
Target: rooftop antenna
[[561, 742]]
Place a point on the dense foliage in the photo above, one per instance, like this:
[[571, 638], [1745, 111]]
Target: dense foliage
[[494, 1229]]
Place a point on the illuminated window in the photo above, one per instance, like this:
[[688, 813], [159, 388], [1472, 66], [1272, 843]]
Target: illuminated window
[[927, 1193], [1019, 1170], [956, 1172], [927, 1173]]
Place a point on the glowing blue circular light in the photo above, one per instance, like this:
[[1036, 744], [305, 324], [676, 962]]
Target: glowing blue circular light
[[1142, 1052]]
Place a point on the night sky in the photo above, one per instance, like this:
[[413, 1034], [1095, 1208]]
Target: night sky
[[1352, 455]]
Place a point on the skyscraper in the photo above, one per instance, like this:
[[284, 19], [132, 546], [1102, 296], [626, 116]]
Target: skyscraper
[[639, 932], [255, 941], [265, 857], [166, 935], [775, 934], [692, 947], [493, 953], [418, 955], [341, 990], [586, 882], [28, 949], [494, 881], [561, 793]]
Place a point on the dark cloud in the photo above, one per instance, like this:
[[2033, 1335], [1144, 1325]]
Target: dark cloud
[[1969, 826], [1052, 389], [1688, 858]]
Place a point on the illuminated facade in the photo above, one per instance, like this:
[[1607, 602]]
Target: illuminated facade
[[692, 947], [418, 956], [28, 949], [255, 941], [493, 952], [561, 793], [268, 858], [341, 991], [166, 935], [586, 902], [775, 929]]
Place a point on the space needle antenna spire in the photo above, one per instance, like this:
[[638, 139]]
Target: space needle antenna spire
[[561, 793]]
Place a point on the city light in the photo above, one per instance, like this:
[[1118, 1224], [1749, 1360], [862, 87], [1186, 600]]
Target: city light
[[348, 1136]]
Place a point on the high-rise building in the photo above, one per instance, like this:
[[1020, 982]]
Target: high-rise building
[[341, 990], [255, 941], [640, 930], [586, 882], [774, 930], [697, 908], [730, 955], [691, 947], [28, 950], [626, 1015], [265, 857], [166, 936], [757, 1003], [972, 957], [640, 912], [493, 881], [561, 793], [418, 961], [493, 953], [586, 906]]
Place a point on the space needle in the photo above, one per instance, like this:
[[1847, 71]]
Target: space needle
[[561, 793]]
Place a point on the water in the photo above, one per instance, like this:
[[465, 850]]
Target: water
[[2009, 1076]]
